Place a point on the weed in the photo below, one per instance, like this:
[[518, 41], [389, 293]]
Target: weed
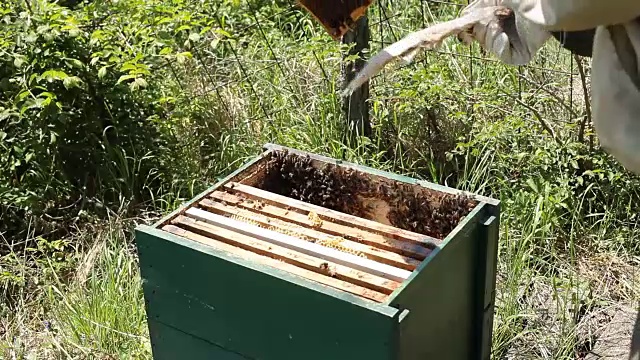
[[119, 109]]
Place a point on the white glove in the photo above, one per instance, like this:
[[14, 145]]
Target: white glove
[[513, 39]]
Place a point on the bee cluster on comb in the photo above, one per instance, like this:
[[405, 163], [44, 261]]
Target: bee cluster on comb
[[338, 243], [346, 190]]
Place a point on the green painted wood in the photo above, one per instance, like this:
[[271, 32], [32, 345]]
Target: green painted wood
[[487, 279], [258, 312], [442, 298], [143, 230], [169, 343]]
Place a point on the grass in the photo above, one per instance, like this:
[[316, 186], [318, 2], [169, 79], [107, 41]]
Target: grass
[[95, 311], [569, 252]]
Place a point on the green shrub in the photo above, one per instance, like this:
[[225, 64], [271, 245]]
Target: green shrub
[[580, 185], [84, 111]]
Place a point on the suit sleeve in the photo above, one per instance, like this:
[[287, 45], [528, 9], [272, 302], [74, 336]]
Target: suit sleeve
[[576, 15], [615, 87]]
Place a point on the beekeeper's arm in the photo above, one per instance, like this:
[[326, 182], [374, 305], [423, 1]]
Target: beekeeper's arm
[[573, 15], [615, 79], [515, 40]]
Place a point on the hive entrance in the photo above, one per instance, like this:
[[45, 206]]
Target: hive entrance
[[339, 227]]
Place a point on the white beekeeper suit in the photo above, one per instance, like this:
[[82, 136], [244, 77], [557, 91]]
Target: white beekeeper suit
[[615, 65]]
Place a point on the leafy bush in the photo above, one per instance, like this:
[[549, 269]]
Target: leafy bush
[[83, 106], [579, 184]]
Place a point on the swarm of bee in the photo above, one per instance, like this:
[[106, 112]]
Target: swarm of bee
[[342, 189], [334, 242], [330, 186]]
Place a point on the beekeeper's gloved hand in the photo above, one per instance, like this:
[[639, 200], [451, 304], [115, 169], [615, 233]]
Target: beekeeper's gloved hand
[[513, 39], [616, 57]]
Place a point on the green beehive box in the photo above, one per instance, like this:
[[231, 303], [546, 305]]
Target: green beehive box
[[298, 256]]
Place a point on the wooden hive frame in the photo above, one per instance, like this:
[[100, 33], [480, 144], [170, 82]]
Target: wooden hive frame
[[364, 261]]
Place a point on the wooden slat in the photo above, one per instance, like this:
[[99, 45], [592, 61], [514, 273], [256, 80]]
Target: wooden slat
[[287, 255], [416, 251], [384, 256], [257, 258], [335, 216], [297, 244]]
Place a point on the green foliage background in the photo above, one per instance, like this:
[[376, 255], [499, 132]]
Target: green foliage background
[[123, 109]]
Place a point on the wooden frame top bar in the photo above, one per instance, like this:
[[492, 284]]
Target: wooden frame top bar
[[336, 216], [290, 242]]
